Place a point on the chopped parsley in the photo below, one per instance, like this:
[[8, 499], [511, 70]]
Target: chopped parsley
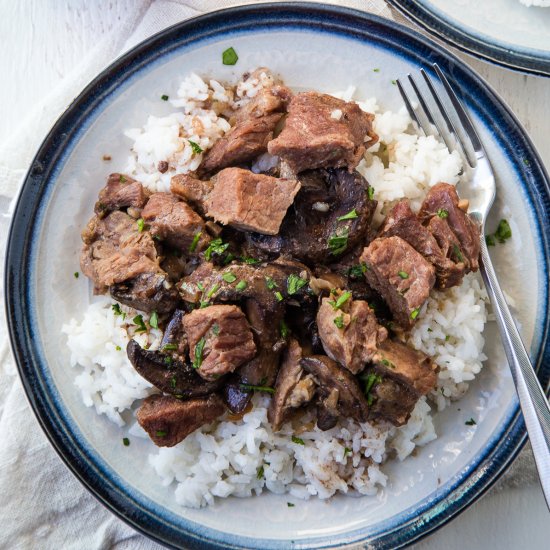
[[173, 382], [283, 329], [216, 246], [403, 274], [250, 261], [387, 363], [164, 97], [349, 216], [290, 504], [138, 320], [229, 277], [154, 320], [339, 321], [358, 270], [394, 82], [297, 440], [200, 286], [265, 389], [229, 57], [490, 240], [447, 337], [168, 360], [121, 179], [196, 238], [338, 242], [504, 231], [342, 299], [347, 451], [370, 193], [241, 285], [429, 329], [216, 329], [458, 255], [161, 433], [118, 348], [140, 225], [117, 311], [199, 348], [279, 296], [213, 290], [125, 441], [169, 347], [442, 213], [195, 146], [270, 283], [260, 472], [376, 70], [76, 274], [470, 422], [294, 283], [414, 313], [371, 380]]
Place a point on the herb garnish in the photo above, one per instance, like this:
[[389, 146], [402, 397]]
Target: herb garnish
[[376, 70], [414, 313], [342, 299], [161, 433], [117, 311], [270, 283], [442, 213], [76, 274], [229, 277], [164, 97], [297, 440], [140, 225], [339, 321], [173, 382], [457, 253], [195, 146], [195, 242], [504, 231], [229, 57], [290, 505], [470, 422], [241, 285], [216, 329], [138, 320], [266, 389], [370, 193], [339, 241], [347, 451], [279, 296], [372, 379], [403, 274], [294, 283], [216, 246], [154, 320], [121, 179], [349, 216], [169, 347], [283, 329], [260, 472], [358, 270], [199, 347], [118, 348], [125, 441], [251, 261], [490, 240], [213, 290]]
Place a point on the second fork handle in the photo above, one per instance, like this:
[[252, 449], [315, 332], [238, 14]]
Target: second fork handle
[[533, 401]]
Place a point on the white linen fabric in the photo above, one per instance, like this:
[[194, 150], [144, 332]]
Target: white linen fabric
[[42, 505]]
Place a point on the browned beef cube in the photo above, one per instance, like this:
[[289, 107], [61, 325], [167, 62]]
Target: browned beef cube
[[391, 401], [193, 190], [220, 340], [442, 201], [248, 201], [168, 420], [253, 130], [350, 335], [402, 222], [175, 222], [321, 132], [401, 275], [120, 192], [410, 367]]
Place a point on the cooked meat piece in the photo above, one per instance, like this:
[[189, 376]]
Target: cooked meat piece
[[174, 265], [191, 189], [147, 292], [311, 230], [174, 339], [255, 123], [175, 222], [339, 392], [442, 200], [392, 401], [265, 325], [120, 192], [292, 389], [323, 132], [413, 368], [262, 282], [401, 275], [168, 420], [235, 396], [351, 334], [220, 340], [169, 375]]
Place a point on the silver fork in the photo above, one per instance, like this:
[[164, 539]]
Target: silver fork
[[533, 402]]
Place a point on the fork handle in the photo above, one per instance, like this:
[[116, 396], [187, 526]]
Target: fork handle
[[533, 401]]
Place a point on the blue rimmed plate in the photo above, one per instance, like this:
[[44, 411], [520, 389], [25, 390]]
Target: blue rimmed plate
[[311, 46], [504, 32]]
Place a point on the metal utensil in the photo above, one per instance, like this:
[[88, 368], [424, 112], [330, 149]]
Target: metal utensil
[[461, 135]]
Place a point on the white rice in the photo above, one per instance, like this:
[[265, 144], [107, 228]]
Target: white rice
[[246, 457]]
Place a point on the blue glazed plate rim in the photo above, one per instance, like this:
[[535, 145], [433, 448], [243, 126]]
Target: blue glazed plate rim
[[508, 55], [141, 512]]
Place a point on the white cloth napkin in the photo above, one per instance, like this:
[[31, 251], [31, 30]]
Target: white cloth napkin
[[42, 505]]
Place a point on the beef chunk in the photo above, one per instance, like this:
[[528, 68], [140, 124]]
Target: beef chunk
[[350, 335], [169, 375], [311, 230], [442, 201], [193, 190], [401, 275], [251, 202], [255, 123], [321, 132], [339, 393], [293, 387], [175, 222], [392, 401], [120, 192], [220, 340], [406, 365], [168, 420]]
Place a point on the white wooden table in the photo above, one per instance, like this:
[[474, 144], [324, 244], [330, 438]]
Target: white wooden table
[[43, 42]]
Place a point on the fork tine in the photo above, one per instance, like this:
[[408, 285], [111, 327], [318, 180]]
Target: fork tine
[[462, 114], [409, 106], [427, 111], [446, 118]]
